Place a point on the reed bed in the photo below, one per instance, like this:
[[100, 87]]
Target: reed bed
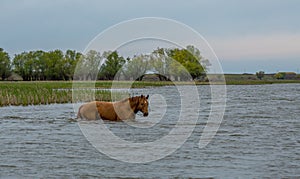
[[40, 93], [48, 92]]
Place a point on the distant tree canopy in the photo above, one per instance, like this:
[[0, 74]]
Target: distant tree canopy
[[260, 74], [40, 65], [189, 59], [112, 65], [5, 65], [185, 64]]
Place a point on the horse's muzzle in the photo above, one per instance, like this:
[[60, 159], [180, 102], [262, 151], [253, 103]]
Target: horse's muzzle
[[145, 114]]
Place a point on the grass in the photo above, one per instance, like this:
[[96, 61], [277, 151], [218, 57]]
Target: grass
[[251, 79], [37, 93], [47, 92]]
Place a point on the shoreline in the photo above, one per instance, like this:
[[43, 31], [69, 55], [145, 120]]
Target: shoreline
[[140, 84], [26, 93]]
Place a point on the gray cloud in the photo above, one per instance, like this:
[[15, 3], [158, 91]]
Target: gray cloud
[[64, 24]]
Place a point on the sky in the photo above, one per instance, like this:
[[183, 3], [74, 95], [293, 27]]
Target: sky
[[247, 36]]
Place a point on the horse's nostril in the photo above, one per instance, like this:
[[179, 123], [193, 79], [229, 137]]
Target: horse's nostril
[[145, 114]]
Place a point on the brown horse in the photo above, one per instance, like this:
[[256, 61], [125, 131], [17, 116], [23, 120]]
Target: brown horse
[[114, 111]]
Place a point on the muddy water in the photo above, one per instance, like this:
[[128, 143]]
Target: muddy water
[[259, 137]]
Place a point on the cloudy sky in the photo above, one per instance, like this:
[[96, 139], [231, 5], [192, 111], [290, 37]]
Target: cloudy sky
[[247, 36]]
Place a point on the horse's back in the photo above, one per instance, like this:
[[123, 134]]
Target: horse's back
[[106, 110], [113, 111], [88, 111]]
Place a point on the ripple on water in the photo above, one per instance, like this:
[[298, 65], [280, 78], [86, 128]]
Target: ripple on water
[[259, 137]]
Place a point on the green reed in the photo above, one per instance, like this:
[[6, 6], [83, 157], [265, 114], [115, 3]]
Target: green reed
[[37, 93]]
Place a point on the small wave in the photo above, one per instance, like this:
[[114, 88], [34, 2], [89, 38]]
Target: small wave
[[13, 117]]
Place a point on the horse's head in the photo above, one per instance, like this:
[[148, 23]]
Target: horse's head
[[142, 105]]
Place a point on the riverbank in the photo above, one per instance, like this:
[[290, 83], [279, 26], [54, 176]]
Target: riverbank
[[251, 79], [43, 92], [48, 92]]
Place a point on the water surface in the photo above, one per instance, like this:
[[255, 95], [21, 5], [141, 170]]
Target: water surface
[[259, 137]]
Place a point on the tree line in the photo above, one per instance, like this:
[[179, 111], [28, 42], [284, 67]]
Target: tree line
[[183, 64]]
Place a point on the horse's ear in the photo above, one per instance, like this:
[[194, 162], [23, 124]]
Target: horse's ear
[[142, 96], [147, 96]]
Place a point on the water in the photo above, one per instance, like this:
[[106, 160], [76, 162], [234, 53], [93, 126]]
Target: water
[[259, 137]]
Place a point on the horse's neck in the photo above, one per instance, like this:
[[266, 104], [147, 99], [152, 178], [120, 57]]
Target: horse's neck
[[133, 104], [126, 101]]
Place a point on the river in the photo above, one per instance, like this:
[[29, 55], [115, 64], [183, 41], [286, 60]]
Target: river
[[259, 137]]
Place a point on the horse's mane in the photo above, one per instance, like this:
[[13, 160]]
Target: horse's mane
[[130, 98], [133, 101]]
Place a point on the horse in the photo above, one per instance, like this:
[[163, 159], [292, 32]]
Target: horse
[[114, 111]]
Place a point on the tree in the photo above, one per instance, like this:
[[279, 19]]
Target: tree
[[5, 65], [88, 65], [111, 66], [160, 62], [71, 59], [280, 75], [54, 64], [57, 65], [30, 65], [136, 67], [260, 74], [19, 63], [23, 65], [40, 65], [189, 59]]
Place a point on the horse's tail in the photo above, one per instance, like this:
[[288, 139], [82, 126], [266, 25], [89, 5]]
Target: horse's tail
[[79, 114]]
